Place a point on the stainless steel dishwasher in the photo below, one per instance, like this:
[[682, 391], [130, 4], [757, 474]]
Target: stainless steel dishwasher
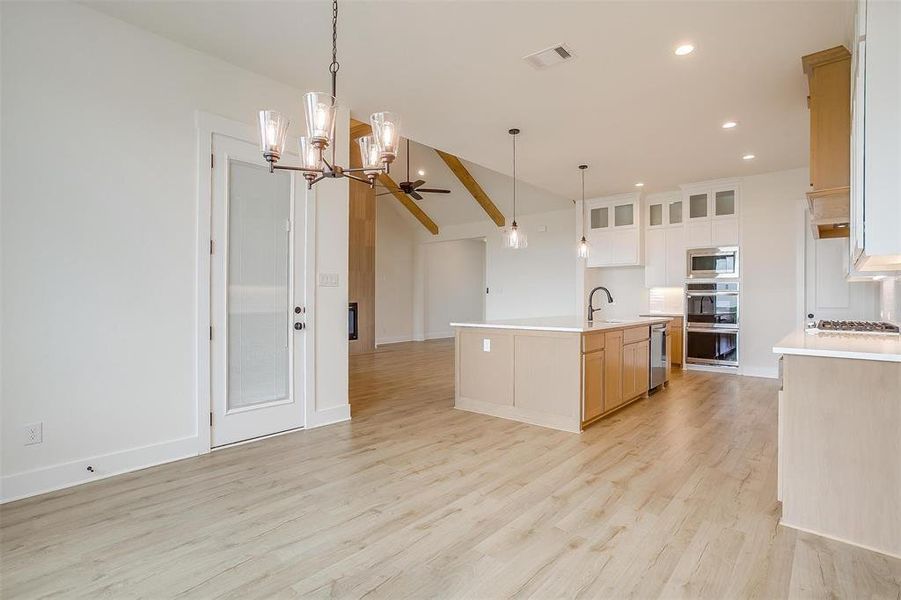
[[658, 355]]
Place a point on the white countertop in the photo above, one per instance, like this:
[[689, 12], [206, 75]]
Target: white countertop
[[859, 346], [572, 324], [655, 313]]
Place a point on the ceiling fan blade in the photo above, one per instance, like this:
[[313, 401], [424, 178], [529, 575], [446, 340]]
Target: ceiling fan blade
[[415, 195], [433, 191], [418, 183], [385, 194]]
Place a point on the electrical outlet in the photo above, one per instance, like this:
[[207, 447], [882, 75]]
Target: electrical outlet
[[34, 434], [486, 344]]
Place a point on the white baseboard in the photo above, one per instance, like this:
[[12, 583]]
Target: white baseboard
[[393, 339], [63, 475], [327, 416], [768, 372]]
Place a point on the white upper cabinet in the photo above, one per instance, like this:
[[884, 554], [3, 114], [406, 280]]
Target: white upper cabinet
[[712, 213], [614, 229], [876, 138], [664, 240]]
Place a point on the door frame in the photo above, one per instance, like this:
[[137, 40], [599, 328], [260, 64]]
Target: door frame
[[207, 125]]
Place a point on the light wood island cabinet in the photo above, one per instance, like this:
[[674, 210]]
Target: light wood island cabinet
[[560, 373]]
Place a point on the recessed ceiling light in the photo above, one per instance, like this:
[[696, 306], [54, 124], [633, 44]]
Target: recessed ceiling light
[[729, 124], [421, 172], [748, 157], [639, 184], [684, 49]]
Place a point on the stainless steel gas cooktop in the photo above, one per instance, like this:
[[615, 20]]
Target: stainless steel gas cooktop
[[878, 327]]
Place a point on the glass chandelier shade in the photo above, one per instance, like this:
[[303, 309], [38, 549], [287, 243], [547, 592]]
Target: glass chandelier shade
[[583, 249], [321, 110], [273, 133], [514, 238], [370, 155], [309, 154], [386, 131]]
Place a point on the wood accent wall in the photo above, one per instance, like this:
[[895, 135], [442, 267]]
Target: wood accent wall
[[361, 258]]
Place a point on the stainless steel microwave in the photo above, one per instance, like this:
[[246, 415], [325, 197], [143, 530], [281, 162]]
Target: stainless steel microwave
[[712, 263]]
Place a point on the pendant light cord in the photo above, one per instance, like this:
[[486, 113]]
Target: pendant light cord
[[514, 178], [582, 207], [335, 65]]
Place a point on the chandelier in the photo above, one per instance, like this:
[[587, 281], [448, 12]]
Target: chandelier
[[513, 237], [377, 150]]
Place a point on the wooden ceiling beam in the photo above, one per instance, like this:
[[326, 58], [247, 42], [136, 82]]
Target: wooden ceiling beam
[[457, 168], [408, 203], [358, 129]]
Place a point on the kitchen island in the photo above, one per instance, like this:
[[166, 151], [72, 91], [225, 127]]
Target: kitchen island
[[559, 372], [839, 453]]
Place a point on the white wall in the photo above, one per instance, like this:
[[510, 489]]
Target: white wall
[[394, 249], [772, 228], [626, 285], [99, 242], [454, 285], [536, 281]]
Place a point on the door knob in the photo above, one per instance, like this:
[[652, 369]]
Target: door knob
[[299, 326]]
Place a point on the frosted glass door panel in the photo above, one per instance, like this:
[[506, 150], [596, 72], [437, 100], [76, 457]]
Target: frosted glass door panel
[[259, 283]]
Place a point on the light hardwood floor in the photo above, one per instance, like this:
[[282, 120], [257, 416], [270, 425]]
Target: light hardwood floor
[[672, 497]]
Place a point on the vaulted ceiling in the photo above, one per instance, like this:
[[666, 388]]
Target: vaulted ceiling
[[626, 104]]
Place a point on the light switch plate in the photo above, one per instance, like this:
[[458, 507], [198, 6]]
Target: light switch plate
[[328, 280], [486, 344]]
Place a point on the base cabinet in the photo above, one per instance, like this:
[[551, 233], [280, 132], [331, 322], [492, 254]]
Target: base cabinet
[[615, 369], [635, 368], [594, 385]]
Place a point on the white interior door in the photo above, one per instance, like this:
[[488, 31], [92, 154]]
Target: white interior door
[[256, 288]]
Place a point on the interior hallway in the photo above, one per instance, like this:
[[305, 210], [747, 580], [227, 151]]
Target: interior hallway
[[673, 496]]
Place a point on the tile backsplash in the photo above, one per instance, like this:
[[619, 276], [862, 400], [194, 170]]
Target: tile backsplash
[[666, 299]]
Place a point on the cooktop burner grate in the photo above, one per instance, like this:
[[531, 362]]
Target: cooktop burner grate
[[857, 326]]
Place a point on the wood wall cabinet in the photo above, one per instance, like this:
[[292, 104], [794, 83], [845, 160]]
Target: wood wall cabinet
[[613, 228], [829, 99]]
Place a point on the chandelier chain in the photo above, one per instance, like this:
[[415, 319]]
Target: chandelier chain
[[335, 65], [582, 208]]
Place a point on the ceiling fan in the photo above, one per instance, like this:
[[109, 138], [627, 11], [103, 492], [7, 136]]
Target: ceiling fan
[[414, 188]]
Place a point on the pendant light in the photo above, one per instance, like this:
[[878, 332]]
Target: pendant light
[[321, 111], [583, 249], [513, 237]]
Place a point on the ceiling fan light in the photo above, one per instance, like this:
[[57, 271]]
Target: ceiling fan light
[[321, 110], [370, 154], [273, 133], [386, 130]]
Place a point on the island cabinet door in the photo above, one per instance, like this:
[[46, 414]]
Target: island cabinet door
[[613, 370], [642, 367], [593, 401]]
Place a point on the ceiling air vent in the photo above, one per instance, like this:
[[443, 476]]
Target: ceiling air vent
[[549, 56]]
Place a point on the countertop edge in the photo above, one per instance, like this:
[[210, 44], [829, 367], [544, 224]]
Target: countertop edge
[[563, 329], [826, 353]]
